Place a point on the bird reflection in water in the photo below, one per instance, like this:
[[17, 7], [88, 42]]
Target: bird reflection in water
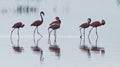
[[38, 50], [86, 49], [54, 48], [17, 25], [98, 49]]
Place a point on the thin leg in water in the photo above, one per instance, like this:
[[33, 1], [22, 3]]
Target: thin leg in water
[[80, 36], [49, 33], [39, 38], [97, 36], [11, 37], [89, 35], [34, 36], [84, 37], [18, 37], [55, 36]]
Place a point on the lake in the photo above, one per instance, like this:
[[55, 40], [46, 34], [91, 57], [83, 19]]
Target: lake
[[72, 14]]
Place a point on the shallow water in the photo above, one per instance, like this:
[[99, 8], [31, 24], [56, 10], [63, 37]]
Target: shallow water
[[72, 14]]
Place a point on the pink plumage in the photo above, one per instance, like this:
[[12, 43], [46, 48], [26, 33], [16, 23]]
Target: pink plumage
[[97, 23], [18, 25], [55, 24], [86, 24]]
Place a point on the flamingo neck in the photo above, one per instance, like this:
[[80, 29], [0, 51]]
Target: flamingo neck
[[59, 21], [41, 17]]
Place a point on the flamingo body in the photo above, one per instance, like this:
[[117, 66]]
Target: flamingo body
[[37, 23], [18, 25], [96, 24], [85, 25], [55, 25]]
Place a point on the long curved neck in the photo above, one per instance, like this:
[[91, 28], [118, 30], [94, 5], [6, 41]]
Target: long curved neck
[[59, 21], [41, 17]]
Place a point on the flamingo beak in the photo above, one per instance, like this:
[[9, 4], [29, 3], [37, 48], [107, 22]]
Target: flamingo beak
[[23, 25], [103, 22], [42, 12]]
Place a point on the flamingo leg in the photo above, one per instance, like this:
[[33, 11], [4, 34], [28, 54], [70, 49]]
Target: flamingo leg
[[55, 36], [84, 37], [11, 37], [18, 37], [41, 56], [34, 36], [97, 36], [39, 38], [80, 36], [49, 33], [89, 35], [39, 32]]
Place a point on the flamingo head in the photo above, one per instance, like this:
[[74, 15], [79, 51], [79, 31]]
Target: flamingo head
[[57, 18], [23, 25], [89, 20], [42, 13], [103, 22]]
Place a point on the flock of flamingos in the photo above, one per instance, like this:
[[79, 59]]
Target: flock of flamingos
[[53, 27]]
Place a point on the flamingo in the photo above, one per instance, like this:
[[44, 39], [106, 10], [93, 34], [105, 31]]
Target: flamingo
[[37, 23], [54, 26], [17, 25], [95, 24], [84, 26]]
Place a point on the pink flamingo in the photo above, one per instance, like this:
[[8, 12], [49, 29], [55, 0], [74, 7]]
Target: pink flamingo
[[37, 23], [54, 26], [17, 25], [84, 26], [95, 24]]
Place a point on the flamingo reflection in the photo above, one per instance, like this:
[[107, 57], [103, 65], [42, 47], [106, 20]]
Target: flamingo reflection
[[98, 49], [38, 50], [54, 48], [86, 49], [17, 25]]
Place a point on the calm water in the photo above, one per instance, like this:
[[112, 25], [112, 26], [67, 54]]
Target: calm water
[[72, 14]]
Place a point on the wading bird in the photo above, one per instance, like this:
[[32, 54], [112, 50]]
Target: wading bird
[[37, 23], [17, 25], [54, 26], [84, 26], [95, 24]]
